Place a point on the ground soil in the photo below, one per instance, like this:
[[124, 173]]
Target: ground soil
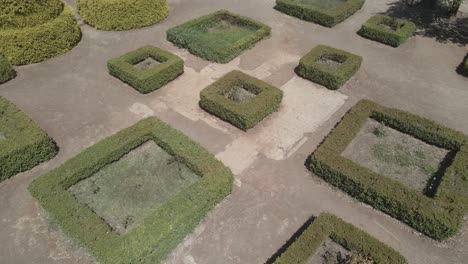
[[147, 64], [327, 62], [239, 94], [328, 253]]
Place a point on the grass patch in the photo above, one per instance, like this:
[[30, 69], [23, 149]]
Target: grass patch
[[438, 215], [240, 99], [387, 30], [160, 231], [23, 144], [6, 70], [323, 12], [328, 66], [219, 37]]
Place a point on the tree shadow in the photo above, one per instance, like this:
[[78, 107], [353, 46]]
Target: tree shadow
[[432, 23]]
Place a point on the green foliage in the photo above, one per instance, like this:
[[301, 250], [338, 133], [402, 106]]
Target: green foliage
[[122, 14], [15, 14], [146, 81], [219, 37], [23, 144], [243, 115], [31, 44], [380, 131], [306, 243], [316, 14], [6, 70], [387, 30], [438, 217], [330, 77], [163, 229], [463, 68]]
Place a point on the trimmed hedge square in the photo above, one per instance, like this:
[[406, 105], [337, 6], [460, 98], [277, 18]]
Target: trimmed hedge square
[[310, 237], [262, 99], [387, 30], [341, 67], [327, 17], [162, 230], [439, 215], [146, 81], [6, 70], [463, 68], [219, 37], [23, 144]]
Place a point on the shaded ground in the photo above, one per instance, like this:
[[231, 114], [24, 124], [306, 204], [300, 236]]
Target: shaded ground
[[147, 64]]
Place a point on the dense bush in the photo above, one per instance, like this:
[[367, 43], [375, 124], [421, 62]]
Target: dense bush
[[243, 115], [163, 229], [195, 36], [463, 68], [308, 240], [146, 81], [16, 14], [23, 144], [438, 217], [122, 14], [324, 17], [6, 70], [330, 77], [387, 30]]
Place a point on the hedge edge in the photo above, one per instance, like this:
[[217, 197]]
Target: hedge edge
[[463, 67], [371, 29], [6, 70], [165, 227], [438, 217]]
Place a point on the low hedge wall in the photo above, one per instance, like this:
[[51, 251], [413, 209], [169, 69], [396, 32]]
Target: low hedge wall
[[332, 78], [312, 235], [23, 144], [321, 16], [146, 81], [122, 14], [400, 30], [162, 230], [438, 217], [6, 70], [463, 68], [242, 115]]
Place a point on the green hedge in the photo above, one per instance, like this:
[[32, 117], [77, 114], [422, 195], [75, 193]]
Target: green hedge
[[307, 241], [242, 115], [195, 37], [146, 81], [374, 30], [332, 78], [23, 144], [122, 14], [6, 70], [438, 217], [162, 230], [41, 42], [321, 16], [15, 14], [463, 68]]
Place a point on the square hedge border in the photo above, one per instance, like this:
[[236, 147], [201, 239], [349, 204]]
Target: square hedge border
[[372, 29], [27, 144], [324, 17], [146, 81], [162, 230], [180, 38], [439, 216], [307, 240], [463, 67], [332, 78], [242, 115]]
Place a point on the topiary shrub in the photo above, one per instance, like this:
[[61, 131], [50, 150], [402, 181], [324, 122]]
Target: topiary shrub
[[325, 16], [23, 144], [387, 30], [6, 70], [463, 67], [328, 66], [122, 14], [146, 80], [240, 99]]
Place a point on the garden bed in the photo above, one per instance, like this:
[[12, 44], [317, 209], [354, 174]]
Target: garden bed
[[387, 30]]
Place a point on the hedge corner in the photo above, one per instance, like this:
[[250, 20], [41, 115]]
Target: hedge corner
[[6, 70], [387, 30]]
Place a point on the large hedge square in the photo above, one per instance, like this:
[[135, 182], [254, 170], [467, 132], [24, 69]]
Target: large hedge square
[[328, 66], [146, 69], [438, 214], [132, 197], [387, 30], [240, 99], [219, 37], [23, 144], [323, 12]]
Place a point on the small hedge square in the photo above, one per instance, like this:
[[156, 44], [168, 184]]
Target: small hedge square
[[320, 12], [240, 99], [218, 37], [328, 66], [387, 30], [463, 68], [23, 144], [439, 215], [146, 79]]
